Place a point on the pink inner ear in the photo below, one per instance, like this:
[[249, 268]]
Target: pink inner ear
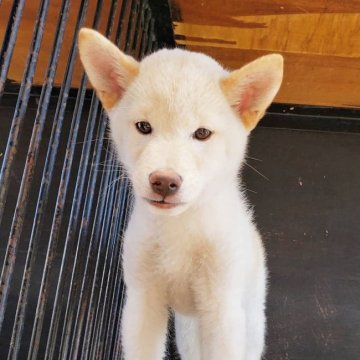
[[109, 79], [246, 100], [252, 94], [115, 81]]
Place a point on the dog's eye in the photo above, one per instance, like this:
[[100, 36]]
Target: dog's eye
[[202, 134], [143, 127]]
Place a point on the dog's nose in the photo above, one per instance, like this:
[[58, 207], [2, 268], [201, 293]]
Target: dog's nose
[[165, 182]]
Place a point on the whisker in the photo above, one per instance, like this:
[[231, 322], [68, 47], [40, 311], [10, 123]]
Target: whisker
[[96, 139], [257, 171], [253, 158], [253, 191]]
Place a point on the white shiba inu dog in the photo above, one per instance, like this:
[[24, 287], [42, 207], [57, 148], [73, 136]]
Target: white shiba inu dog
[[180, 124]]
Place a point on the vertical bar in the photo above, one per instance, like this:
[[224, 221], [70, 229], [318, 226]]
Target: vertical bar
[[75, 343], [75, 209], [112, 345], [47, 175], [109, 275], [57, 219], [150, 36], [130, 26], [139, 18], [108, 317], [27, 179], [79, 251], [94, 238], [8, 45], [100, 261], [114, 326], [96, 341], [97, 239], [144, 35], [11, 149], [74, 216]]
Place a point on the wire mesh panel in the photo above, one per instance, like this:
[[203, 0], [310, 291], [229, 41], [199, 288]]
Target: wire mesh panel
[[64, 199]]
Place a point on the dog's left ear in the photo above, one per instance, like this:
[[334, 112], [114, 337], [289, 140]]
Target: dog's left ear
[[251, 89]]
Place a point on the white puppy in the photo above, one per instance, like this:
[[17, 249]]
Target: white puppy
[[180, 124]]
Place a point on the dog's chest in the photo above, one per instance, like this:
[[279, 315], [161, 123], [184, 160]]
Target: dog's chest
[[185, 268]]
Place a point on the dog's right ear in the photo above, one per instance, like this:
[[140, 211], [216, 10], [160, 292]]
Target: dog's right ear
[[110, 71]]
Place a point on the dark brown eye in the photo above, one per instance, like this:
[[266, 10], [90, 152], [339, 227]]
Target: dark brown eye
[[202, 134], [143, 127]]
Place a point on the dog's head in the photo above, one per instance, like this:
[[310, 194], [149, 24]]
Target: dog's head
[[179, 121]]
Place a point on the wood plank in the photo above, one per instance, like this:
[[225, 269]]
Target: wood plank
[[320, 40], [220, 12], [306, 80], [306, 33]]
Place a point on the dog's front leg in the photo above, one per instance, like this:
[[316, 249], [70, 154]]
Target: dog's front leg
[[223, 331], [144, 325]]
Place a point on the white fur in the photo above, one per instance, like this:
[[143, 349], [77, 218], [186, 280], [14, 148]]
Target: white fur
[[206, 262], [204, 258]]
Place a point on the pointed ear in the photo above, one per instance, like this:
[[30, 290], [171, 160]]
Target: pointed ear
[[110, 71], [251, 89]]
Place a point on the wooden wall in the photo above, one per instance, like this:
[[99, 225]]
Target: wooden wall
[[26, 31], [320, 40]]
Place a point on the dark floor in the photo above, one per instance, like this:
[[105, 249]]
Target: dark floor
[[308, 212], [309, 215]]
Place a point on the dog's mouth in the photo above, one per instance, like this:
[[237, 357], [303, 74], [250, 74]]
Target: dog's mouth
[[162, 204]]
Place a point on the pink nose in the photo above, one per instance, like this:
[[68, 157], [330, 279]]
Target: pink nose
[[165, 182]]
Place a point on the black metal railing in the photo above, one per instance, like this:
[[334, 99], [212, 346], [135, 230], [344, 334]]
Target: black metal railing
[[64, 199]]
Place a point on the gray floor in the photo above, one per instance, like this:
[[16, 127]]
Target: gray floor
[[309, 215], [307, 206]]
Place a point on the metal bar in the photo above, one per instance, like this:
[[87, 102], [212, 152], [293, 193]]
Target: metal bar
[[96, 344], [134, 17], [139, 14], [74, 216], [100, 262], [91, 314], [109, 276], [57, 219], [8, 45], [55, 136], [150, 37], [121, 22], [120, 291], [11, 149], [118, 237], [144, 35], [78, 326], [27, 179], [75, 209], [109, 323], [75, 345], [99, 318], [98, 240], [42, 298], [130, 26]]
